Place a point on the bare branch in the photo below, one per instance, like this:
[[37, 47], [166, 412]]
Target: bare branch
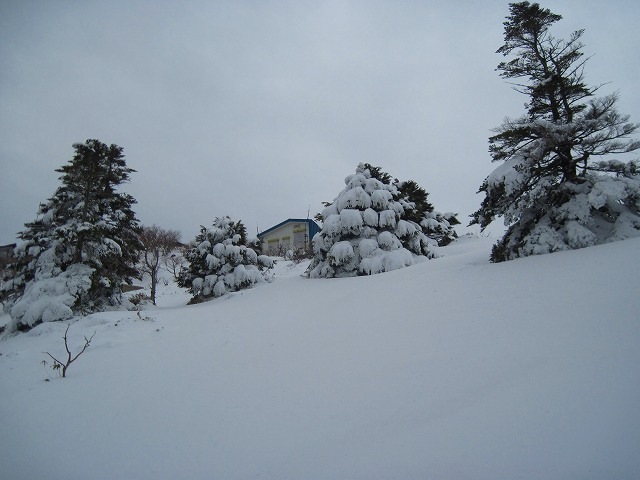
[[70, 358], [157, 243]]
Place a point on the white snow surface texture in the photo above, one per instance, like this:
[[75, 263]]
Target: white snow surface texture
[[449, 369]]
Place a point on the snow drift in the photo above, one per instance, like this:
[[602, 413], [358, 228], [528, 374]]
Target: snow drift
[[452, 368]]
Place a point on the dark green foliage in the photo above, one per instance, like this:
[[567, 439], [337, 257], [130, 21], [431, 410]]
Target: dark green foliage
[[418, 209], [379, 174], [103, 230], [411, 192], [556, 81]]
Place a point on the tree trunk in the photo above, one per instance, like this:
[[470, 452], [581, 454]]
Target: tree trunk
[[154, 283], [567, 165]]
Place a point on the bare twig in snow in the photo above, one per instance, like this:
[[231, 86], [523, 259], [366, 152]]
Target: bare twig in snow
[[58, 365]]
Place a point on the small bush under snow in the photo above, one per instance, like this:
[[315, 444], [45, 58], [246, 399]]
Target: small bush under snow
[[50, 297], [221, 262]]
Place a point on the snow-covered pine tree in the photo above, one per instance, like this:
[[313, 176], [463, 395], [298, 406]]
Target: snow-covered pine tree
[[83, 245], [435, 225], [365, 232], [222, 262], [551, 189]]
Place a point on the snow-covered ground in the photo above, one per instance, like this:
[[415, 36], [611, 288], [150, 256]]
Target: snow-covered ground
[[454, 368]]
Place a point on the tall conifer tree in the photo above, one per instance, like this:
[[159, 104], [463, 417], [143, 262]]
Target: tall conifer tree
[[82, 247], [556, 188]]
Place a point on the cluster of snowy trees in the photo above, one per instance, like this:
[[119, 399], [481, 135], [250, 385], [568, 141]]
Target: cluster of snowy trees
[[86, 245], [557, 187]]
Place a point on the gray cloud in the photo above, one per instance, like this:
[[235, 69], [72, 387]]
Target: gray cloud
[[260, 109]]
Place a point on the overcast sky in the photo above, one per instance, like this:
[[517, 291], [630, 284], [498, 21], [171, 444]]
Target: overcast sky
[[259, 109]]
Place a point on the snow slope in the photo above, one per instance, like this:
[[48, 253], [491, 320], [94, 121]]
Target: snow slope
[[454, 368]]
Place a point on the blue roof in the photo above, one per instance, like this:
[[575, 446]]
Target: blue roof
[[313, 226]]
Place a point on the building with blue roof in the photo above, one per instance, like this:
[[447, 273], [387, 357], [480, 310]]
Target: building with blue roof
[[292, 234]]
